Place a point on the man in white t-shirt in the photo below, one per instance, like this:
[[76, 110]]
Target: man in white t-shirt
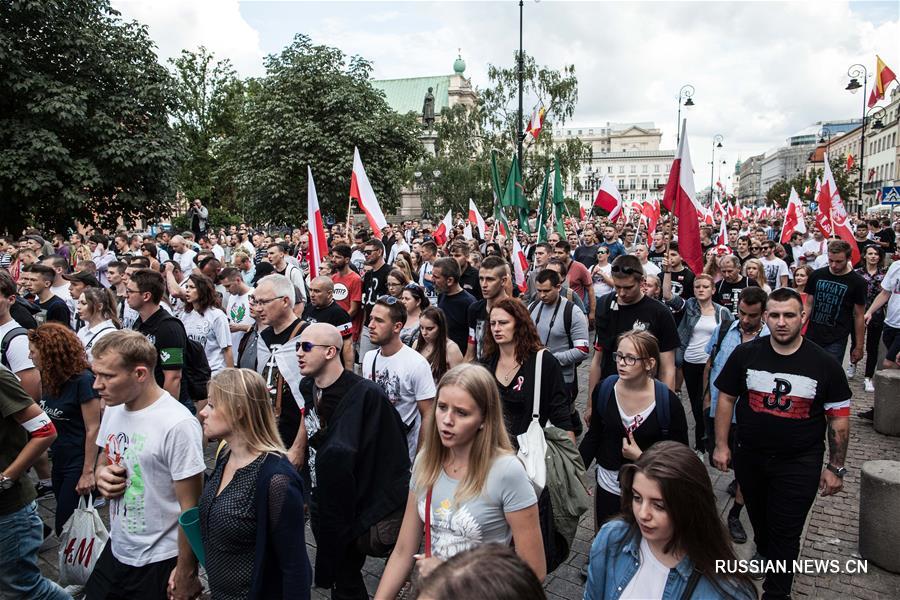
[[816, 245], [183, 254], [400, 371], [240, 318], [650, 268], [890, 295], [14, 342], [776, 270], [151, 468]]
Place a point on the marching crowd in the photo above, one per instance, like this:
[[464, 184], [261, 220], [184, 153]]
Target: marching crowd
[[415, 401]]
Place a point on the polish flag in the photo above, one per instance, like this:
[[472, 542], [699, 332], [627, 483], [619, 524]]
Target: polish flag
[[650, 211], [361, 190], [476, 219], [793, 218], [467, 232], [582, 213], [520, 266], [679, 199], [723, 232], [443, 230], [608, 198], [536, 123], [318, 247], [840, 223], [718, 209], [823, 209], [707, 216]]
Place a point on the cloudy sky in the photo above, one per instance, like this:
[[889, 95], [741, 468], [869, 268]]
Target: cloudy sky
[[762, 70]]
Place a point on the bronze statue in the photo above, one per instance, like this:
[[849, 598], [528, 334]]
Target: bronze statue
[[428, 109]]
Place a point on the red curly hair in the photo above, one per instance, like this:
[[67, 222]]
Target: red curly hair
[[62, 355], [527, 339]]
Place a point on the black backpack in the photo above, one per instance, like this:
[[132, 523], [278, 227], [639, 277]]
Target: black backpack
[[661, 393], [195, 371], [7, 340], [567, 318]]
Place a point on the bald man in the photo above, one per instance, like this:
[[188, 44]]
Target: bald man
[[183, 254], [362, 461], [323, 309]]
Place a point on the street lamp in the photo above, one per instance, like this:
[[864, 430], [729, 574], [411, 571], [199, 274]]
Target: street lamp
[[855, 72], [716, 143], [686, 93]]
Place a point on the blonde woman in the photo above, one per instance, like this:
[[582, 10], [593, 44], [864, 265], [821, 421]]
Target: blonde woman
[[251, 509], [754, 271], [467, 474]]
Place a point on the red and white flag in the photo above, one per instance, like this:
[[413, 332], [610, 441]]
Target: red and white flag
[[536, 123], [650, 212], [582, 214], [718, 209], [707, 215], [723, 232], [608, 198], [823, 205], [520, 266], [679, 199], [318, 247], [361, 190], [840, 222], [476, 219], [443, 229], [793, 218]]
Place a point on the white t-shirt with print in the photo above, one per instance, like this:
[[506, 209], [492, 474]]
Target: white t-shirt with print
[[458, 527], [239, 313], [157, 445], [891, 283], [774, 269], [211, 331], [406, 378], [17, 352]]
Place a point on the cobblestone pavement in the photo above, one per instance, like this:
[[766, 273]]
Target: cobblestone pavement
[[831, 531]]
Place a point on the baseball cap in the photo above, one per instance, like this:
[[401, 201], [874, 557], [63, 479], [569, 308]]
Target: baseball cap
[[84, 277]]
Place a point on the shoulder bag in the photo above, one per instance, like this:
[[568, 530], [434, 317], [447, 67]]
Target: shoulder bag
[[532, 444]]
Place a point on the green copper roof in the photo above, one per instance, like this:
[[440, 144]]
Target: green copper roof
[[405, 95]]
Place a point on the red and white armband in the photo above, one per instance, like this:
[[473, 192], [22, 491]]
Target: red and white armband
[[40, 426]]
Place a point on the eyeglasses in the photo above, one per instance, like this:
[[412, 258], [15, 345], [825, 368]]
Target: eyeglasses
[[626, 270], [368, 252], [308, 346], [127, 291], [389, 300], [626, 359], [255, 300]]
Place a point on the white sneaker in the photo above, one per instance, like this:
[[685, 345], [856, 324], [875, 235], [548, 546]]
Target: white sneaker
[[870, 387], [851, 371]]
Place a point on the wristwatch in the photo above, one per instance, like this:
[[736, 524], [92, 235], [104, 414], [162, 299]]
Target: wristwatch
[[6, 482], [839, 471]]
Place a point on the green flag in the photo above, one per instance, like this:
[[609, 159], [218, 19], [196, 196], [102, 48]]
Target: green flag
[[542, 203], [559, 203], [514, 194], [499, 216]]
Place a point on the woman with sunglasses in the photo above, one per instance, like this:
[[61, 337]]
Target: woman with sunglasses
[[441, 352], [414, 299], [626, 418], [601, 273], [669, 539], [754, 271], [396, 281]]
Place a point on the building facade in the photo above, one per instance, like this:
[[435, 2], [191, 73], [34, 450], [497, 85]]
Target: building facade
[[749, 180]]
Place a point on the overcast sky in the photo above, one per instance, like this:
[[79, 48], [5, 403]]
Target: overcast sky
[[762, 70]]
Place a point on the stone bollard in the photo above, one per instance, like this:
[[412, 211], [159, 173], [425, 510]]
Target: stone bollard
[[887, 401], [879, 513]]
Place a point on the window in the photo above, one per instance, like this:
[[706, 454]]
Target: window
[[621, 168], [643, 196], [621, 184], [656, 184], [609, 169], [656, 168], [633, 168], [643, 184], [632, 184], [580, 132]]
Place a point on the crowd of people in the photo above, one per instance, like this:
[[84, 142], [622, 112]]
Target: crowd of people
[[387, 400]]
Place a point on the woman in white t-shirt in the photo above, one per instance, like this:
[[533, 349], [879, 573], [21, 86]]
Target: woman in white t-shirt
[[669, 538], [96, 307], [467, 484], [205, 322], [601, 273]]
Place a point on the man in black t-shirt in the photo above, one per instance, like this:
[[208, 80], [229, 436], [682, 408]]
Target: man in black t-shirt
[[493, 276], [787, 391], [468, 275], [836, 303], [886, 237], [323, 309], [144, 292], [453, 300], [728, 289], [38, 279], [657, 252], [374, 285], [623, 310], [677, 279]]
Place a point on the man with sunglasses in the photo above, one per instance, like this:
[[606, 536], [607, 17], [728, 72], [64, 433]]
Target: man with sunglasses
[[623, 310], [374, 285]]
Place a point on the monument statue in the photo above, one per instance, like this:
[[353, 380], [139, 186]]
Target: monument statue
[[428, 109]]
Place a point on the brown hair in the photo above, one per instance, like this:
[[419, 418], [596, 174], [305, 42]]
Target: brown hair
[[132, 348], [490, 571], [103, 302], [690, 502], [438, 357], [527, 339], [206, 294], [62, 355], [646, 345]]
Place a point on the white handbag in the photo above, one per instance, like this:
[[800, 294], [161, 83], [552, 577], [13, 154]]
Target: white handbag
[[81, 542], [532, 444]]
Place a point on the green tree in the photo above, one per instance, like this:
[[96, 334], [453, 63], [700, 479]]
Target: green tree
[[84, 117], [312, 107], [466, 136], [210, 102]]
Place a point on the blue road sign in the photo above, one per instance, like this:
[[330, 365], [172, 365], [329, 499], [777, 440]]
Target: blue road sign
[[890, 195]]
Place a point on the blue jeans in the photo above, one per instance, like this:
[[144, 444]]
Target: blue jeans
[[21, 534], [837, 349]]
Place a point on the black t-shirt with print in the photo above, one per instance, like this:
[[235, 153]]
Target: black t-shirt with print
[[331, 314], [833, 299], [477, 318], [727, 294], [167, 335], [656, 257], [374, 285], [887, 235], [55, 310], [682, 283], [614, 319], [289, 421], [468, 280], [782, 400]]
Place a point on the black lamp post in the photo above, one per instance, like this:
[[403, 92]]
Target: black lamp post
[[716, 143], [855, 72], [520, 135], [686, 93]]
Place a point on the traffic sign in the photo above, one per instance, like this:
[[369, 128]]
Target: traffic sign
[[890, 195]]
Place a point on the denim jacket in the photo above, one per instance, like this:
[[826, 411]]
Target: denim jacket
[[692, 314], [615, 558]]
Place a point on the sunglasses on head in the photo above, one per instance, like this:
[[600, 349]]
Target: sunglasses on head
[[389, 300], [626, 270]]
